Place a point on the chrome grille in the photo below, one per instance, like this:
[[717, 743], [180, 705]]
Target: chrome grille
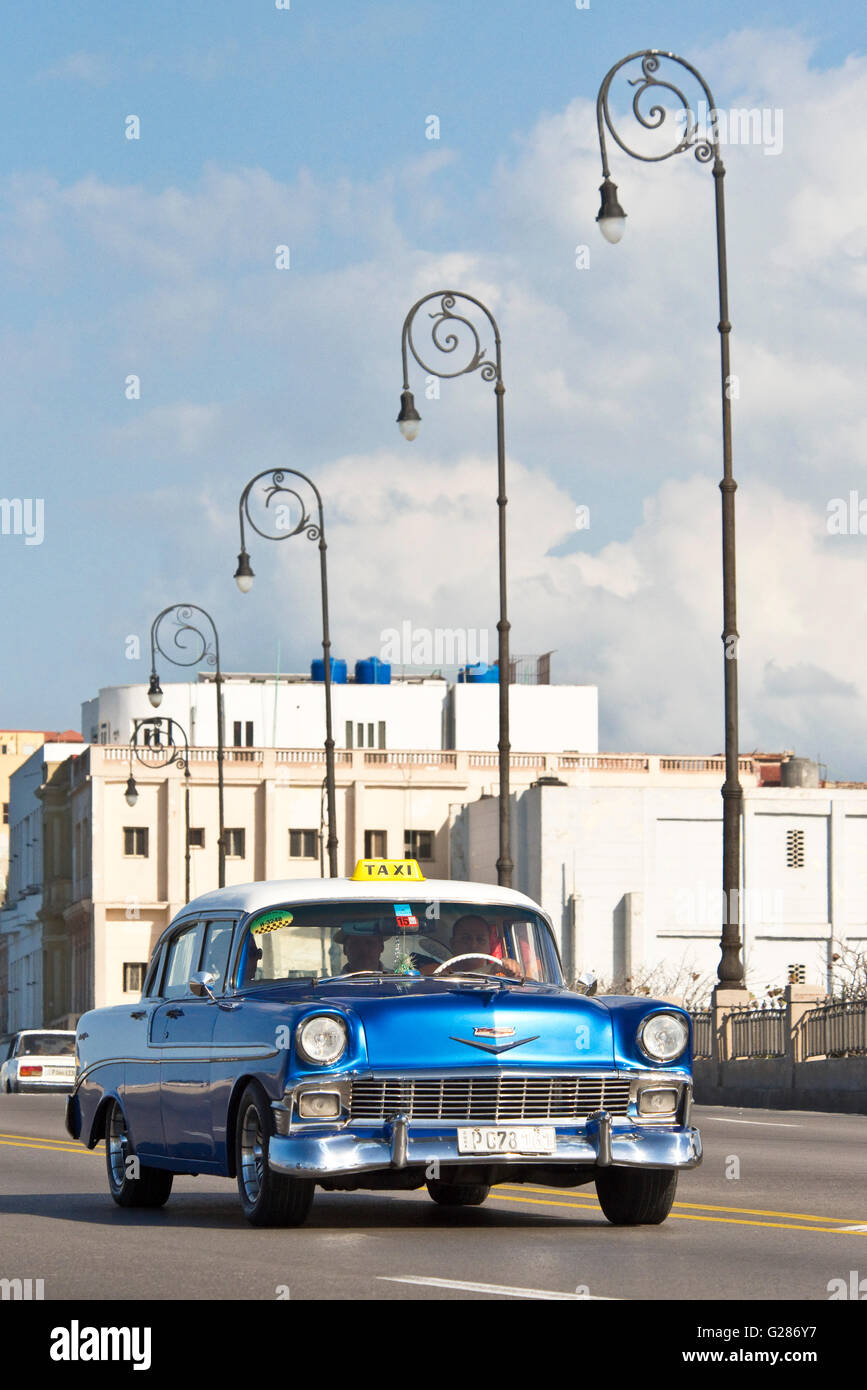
[[483, 1098]]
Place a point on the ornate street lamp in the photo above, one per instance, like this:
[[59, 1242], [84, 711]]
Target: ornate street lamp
[[280, 503], [705, 146], [448, 327], [191, 645], [161, 725]]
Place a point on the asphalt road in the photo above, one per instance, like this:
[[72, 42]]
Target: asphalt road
[[764, 1217]]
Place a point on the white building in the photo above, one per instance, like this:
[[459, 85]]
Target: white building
[[415, 712], [630, 867]]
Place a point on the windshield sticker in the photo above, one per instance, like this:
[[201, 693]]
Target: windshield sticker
[[272, 921], [404, 916]]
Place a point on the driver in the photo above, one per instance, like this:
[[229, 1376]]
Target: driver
[[472, 935]]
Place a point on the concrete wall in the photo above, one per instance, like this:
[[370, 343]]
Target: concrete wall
[[775, 1083]]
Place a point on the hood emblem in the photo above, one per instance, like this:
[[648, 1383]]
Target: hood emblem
[[493, 1032], [495, 1047]]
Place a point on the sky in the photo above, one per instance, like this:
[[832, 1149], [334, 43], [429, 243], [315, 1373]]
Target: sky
[[308, 128]]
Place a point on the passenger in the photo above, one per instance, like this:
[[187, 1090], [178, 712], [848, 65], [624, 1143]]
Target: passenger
[[363, 950]]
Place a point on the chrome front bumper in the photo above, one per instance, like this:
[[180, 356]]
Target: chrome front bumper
[[600, 1142]]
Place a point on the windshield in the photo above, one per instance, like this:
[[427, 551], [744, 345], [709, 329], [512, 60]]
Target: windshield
[[46, 1045], [321, 940]]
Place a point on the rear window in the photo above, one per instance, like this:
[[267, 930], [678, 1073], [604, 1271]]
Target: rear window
[[46, 1045], [321, 940]]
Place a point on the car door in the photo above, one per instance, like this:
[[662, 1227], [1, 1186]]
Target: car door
[[182, 1030], [141, 1085]]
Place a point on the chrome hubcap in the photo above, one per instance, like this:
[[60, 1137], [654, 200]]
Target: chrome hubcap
[[118, 1146], [252, 1156]]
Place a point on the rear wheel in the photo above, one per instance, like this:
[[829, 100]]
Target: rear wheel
[[130, 1183], [267, 1198], [458, 1194], [636, 1197]]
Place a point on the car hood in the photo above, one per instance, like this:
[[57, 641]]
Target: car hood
[[432, 1027]]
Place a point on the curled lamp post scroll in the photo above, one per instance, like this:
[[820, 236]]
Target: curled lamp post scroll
[[452, 330], [161, 724], [651, 86], [189, 646], [278, 503]]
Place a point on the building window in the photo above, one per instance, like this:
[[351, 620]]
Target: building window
[[135, 841], [133, 976], [197, 837], [365, 736], [303, 844], [236, 844], [375, 842], [5, 812], [797, 974], [794, 849], [243, 733], [418, 844]]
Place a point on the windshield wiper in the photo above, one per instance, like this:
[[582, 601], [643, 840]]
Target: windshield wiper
[[353, 974], [501, 980]]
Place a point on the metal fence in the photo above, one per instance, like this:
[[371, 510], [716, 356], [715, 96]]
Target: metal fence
[[835, 1030], [702, 1033], [757, 1033]]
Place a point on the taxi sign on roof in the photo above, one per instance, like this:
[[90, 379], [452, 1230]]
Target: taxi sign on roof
[[385, 870]]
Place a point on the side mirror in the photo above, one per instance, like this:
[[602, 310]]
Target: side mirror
[[200, 985], [586, 984]]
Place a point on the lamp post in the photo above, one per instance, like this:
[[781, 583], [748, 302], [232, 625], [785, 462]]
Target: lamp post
[[131, 793], [286, 501], [448, 326], [611, 218], [203, 649]]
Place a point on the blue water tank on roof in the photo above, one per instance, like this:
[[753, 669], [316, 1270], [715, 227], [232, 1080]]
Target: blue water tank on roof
[[338, 670], [372, 671], [479, 674]]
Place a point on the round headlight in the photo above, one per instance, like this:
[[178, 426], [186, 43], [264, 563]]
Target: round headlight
[[663, 1036], [322, 1039]]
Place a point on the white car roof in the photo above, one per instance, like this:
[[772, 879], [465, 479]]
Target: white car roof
[[251, 897]]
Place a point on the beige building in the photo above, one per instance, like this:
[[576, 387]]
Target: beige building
[[27, 758], [125, 875]]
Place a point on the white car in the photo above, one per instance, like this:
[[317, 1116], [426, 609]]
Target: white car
[[39, 1059]]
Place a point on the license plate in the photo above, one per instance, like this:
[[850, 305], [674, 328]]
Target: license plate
[[507, 1139]]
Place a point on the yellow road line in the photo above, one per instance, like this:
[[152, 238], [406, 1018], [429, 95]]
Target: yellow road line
[[53, 1147], [674, 1215], [704, 1206]]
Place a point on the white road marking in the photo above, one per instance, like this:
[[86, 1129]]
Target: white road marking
[[771, 1124], [505, 1290], [843, 1230]]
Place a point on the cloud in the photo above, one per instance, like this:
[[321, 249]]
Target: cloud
[[612, 399], [804, 679], [94, 68]]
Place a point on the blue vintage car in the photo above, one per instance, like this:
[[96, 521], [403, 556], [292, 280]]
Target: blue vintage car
[[384, 1032]]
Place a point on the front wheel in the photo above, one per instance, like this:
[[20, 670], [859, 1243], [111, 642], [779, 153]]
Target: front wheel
[[130, 1183], [636, 1196], [267, 1198], [458, 1194]]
